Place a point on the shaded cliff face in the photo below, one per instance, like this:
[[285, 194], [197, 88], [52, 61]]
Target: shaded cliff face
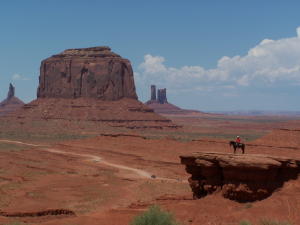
[[243, 178], [87, 72]]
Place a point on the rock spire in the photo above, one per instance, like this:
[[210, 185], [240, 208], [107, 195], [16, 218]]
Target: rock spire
[[11, 91]]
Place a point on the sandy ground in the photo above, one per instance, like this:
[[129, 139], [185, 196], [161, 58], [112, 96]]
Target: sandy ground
[[109, 180]]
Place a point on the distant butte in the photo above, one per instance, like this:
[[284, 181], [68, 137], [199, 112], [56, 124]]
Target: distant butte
[[11, 103], [159, 103], [90, 84], [86, 72]]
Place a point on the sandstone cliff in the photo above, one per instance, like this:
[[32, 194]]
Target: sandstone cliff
[[91, 85], [238, 177], [86, 72]]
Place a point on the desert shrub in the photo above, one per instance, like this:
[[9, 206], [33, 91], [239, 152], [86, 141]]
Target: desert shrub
[[245, 222], [154, 216], [274, 222], [16, 223]]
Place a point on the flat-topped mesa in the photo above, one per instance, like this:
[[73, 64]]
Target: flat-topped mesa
[[243, 178], [95, 72]]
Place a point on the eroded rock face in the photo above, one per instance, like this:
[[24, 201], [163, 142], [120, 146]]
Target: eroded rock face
[[153, 93], [162, 96], [86, 72], [11, 103], [243, 178], [11, 91]]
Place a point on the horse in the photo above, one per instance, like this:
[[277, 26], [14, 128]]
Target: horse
[[236, 145]]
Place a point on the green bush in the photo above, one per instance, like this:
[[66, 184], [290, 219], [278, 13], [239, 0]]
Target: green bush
[[245, 222], [266, 222], [15, 223], [154, 216], [273, 222]]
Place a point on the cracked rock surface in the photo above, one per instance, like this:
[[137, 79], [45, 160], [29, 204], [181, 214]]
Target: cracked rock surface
[[243, 178]]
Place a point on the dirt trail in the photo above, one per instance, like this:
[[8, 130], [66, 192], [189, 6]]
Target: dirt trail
[[96, 159]]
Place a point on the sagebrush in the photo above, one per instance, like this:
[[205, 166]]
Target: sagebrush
[[155, 216]]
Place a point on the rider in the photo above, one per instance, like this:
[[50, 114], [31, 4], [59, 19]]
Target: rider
[[238, 140]]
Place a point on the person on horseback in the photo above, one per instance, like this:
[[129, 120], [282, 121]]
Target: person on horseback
[[237, 144]]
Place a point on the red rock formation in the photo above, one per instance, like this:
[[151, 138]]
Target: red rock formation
[[239, 177], [89, 85], [11, 91], [153, 93], [162, 96], [86, 72], [11, 103], [162, 106]]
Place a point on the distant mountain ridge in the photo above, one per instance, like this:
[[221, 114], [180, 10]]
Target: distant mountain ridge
[[259, 113]]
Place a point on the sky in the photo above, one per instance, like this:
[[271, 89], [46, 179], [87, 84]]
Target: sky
[[210, 55]]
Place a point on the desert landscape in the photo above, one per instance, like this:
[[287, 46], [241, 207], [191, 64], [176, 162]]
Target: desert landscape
[[86, 151], [149, 112]]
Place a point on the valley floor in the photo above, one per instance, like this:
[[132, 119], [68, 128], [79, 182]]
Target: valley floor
[[109, 179]]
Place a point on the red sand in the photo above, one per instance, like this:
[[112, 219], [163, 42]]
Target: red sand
[[103, 194]]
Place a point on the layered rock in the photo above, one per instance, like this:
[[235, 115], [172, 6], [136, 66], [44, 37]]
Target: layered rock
[[92, 85], [86, 72], [238, 177], [11, 103], [128, 113]]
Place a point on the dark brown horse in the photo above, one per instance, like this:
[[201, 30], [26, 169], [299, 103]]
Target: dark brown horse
[[236, 145]]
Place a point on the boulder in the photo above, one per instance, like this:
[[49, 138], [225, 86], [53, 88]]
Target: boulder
[[243, 178], [86, 72]]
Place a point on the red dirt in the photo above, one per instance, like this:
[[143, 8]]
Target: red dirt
[[101, 194]]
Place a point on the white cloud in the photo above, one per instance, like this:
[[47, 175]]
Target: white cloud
[[268, 63], [17, 76]]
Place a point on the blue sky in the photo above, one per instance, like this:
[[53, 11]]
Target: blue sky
[[211, 55]]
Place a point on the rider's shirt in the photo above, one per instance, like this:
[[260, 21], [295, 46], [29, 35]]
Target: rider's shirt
[[238, 140]]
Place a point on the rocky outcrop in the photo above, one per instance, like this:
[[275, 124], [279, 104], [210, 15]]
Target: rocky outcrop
[[11, 103], [153, 93], [92, 85], [49, 212], [242, 178], [160, 104], [86, 72], [162, 96], [11, 91]]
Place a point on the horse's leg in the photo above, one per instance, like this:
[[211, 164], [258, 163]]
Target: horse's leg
[[243, 149], [234, 149]]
